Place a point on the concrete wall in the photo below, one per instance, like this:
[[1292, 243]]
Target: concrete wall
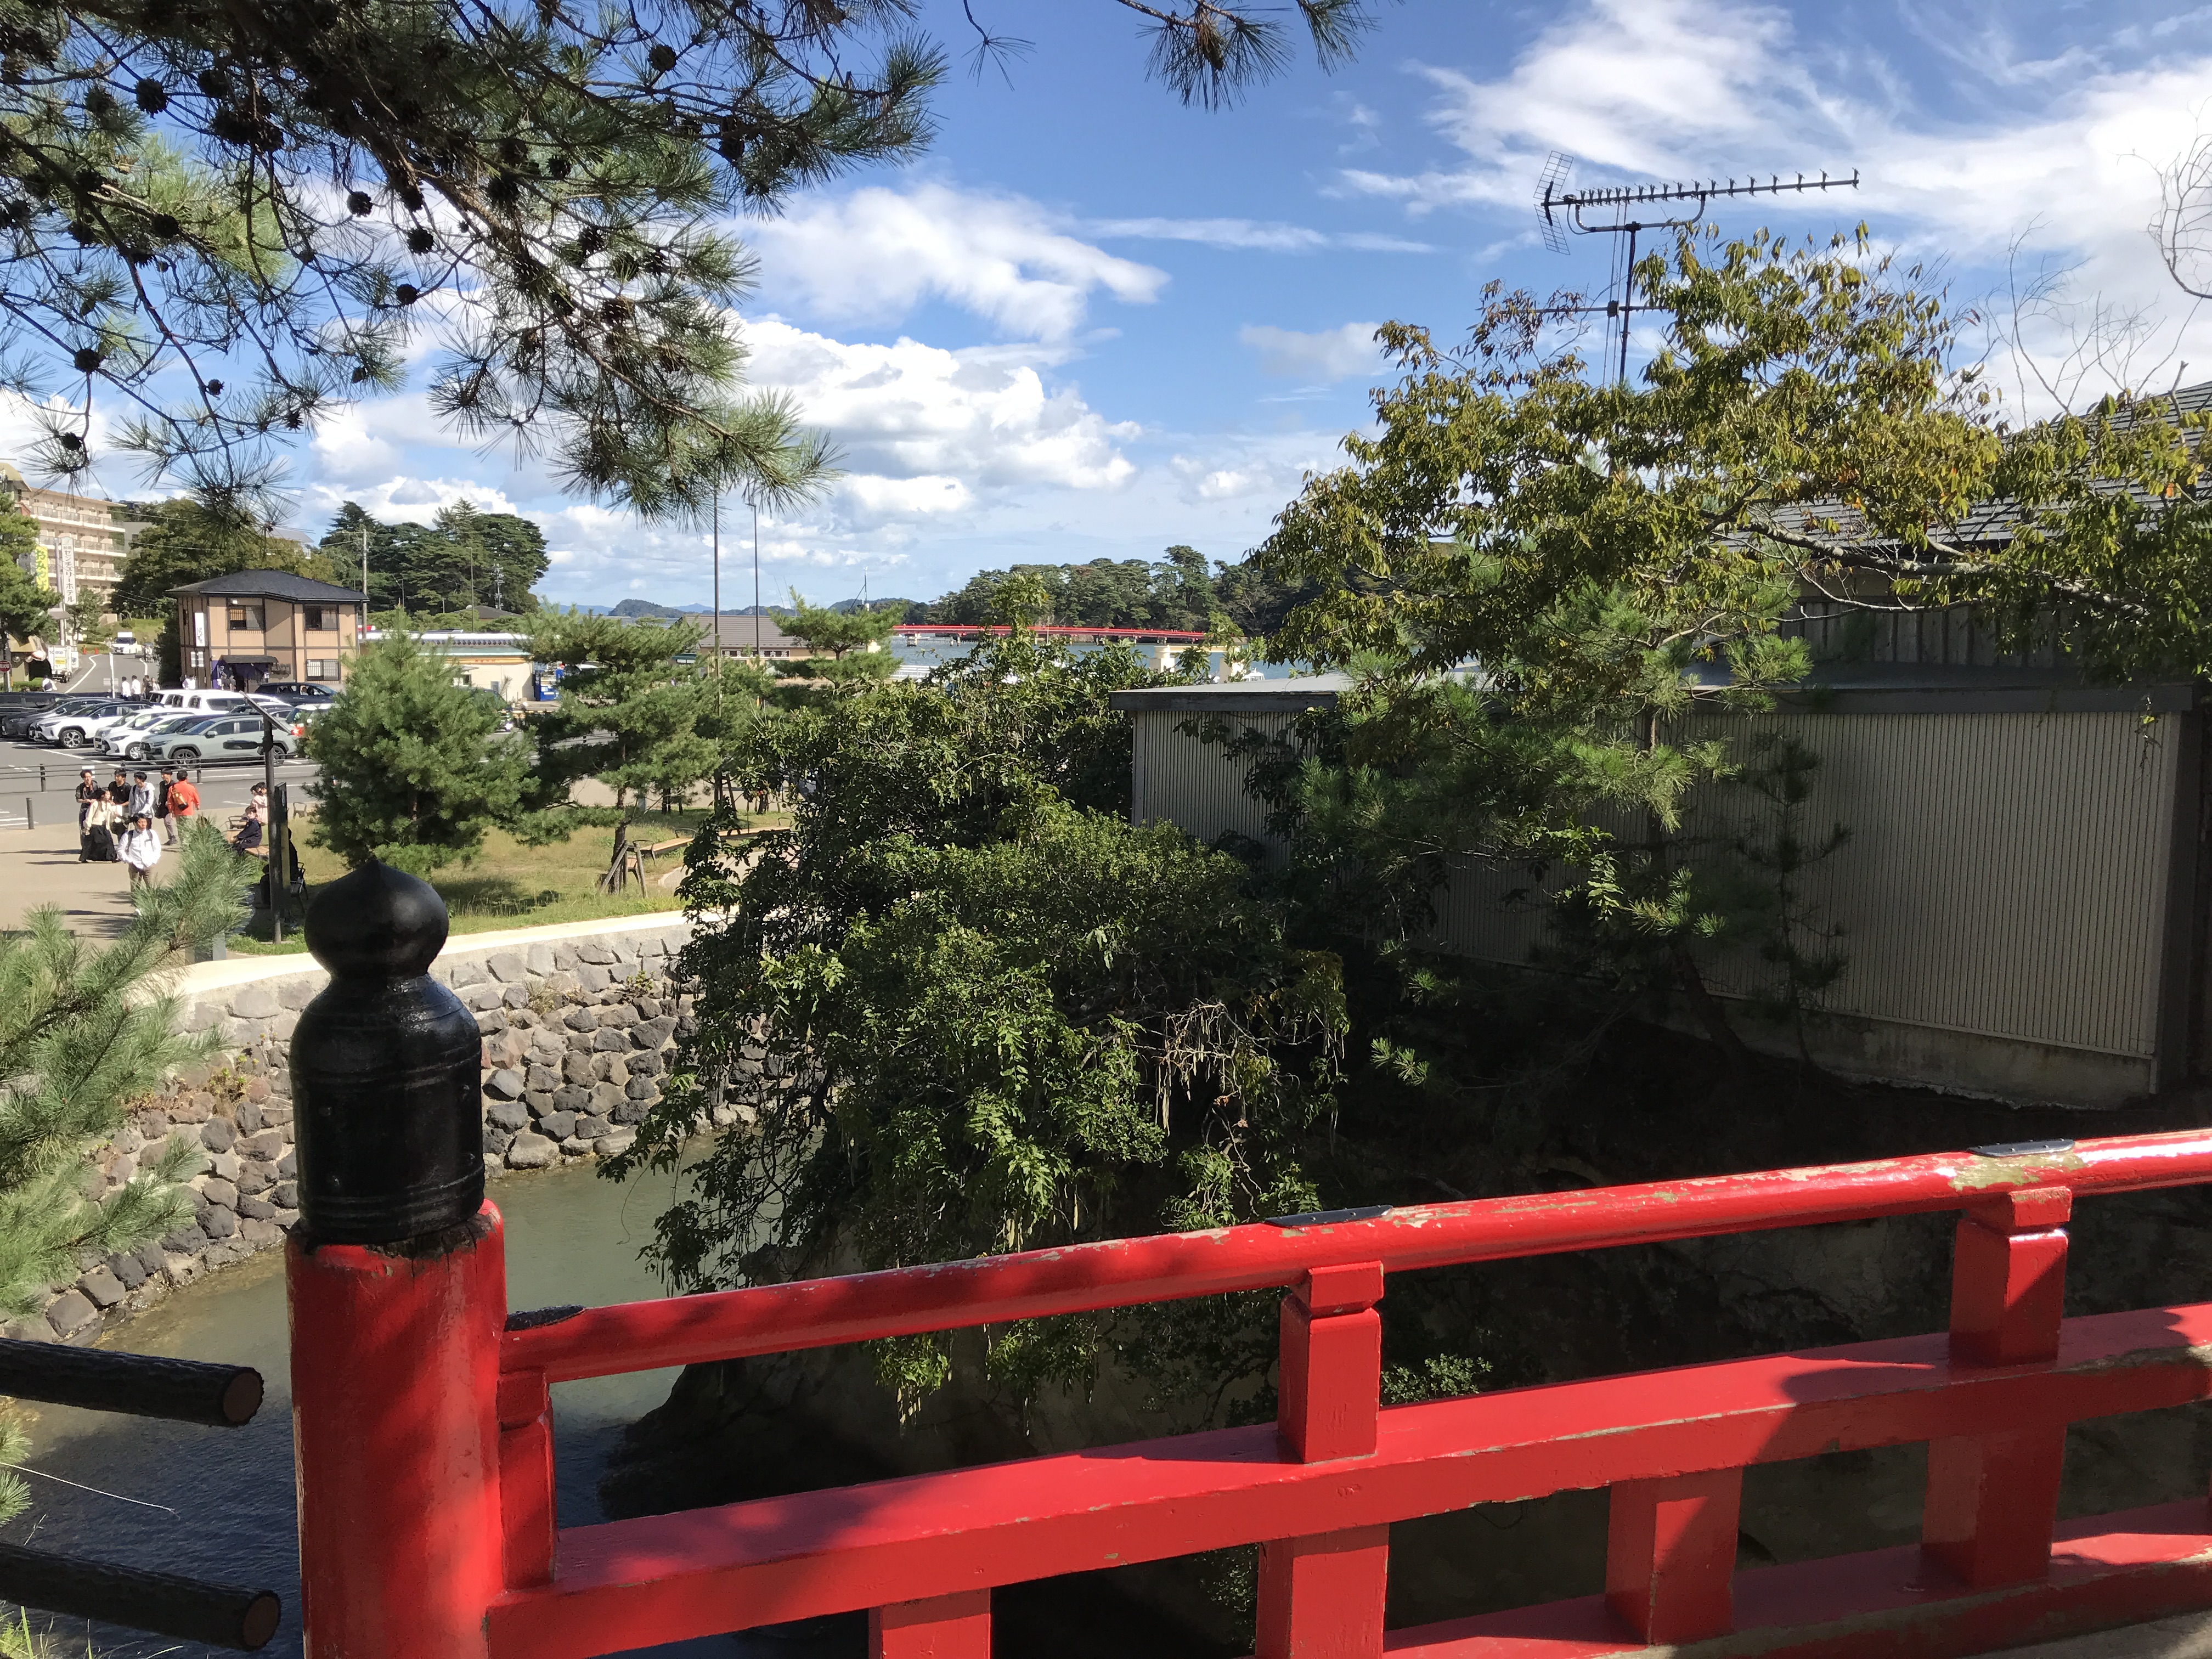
[[578, 1023], [2018, 899]]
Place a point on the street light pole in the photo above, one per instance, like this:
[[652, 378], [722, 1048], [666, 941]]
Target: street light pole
[[754, 502], [718, 587]]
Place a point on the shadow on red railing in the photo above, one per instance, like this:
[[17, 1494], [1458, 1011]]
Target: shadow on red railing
[[1991, 1398]]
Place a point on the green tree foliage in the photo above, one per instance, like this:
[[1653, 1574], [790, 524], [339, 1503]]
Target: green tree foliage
[[1176, 592], [1540, 576], [194, 186], [467, 559], [1015, 1018], [630, 710], [415, 770], [84, 1030], [87, 618], [26, 608], [847, 646], [192, 540]]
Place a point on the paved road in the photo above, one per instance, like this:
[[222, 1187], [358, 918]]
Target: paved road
[[105, 672], [51, 792]]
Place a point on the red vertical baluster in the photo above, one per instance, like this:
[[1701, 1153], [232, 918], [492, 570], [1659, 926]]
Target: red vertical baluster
[[395, 1380], [527, 1516], [1993, 1499], [1670, 1554], [942, 1627], [1320, 1597]]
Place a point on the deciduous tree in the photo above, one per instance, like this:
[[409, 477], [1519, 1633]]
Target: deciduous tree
[[1014, 1016], [192, 540], [26, 607]]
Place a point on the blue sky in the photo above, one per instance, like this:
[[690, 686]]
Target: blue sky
[[1093, 322]]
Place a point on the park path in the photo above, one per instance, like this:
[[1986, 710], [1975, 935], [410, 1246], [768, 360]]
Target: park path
[[40, 866]]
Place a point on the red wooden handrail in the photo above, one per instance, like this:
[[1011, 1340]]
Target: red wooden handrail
[[834, 1551], [638, 1336], [426, 1427]]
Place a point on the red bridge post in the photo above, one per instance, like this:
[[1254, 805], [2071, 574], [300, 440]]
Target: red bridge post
[[397, 1289], [1320, 1597], [1992, 1501]]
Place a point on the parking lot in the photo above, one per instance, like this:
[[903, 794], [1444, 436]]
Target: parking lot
[[41, 779]]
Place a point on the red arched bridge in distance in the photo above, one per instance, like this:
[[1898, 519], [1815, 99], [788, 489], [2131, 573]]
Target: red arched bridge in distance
[[424, 1429], [965, 633]]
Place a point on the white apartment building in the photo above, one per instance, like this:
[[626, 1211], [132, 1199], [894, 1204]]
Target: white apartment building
[[81, 544]]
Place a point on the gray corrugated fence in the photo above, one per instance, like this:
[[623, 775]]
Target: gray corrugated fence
[[2017, 899]]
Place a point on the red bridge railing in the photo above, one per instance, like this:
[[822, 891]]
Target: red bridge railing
[[425, 1442]]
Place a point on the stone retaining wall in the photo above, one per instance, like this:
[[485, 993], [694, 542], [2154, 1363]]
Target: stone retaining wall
[[578, 1025]]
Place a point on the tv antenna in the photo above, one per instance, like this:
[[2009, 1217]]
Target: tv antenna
[[1617, 211]]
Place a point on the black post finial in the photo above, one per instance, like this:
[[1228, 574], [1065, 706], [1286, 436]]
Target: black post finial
[[385, 1074]]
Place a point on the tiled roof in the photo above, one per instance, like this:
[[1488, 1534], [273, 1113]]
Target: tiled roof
[[272, 585]]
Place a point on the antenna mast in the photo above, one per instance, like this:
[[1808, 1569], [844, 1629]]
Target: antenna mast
[[1618, 208]]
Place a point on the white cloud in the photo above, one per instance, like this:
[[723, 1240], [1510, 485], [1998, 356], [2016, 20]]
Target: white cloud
[[1333, 354], [876, 255], [400, 497], [1662, 90], [925, 431], [1256, 236], [1256, 472]]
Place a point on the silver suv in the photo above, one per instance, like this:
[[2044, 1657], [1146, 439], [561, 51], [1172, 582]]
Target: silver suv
[[217, 738]]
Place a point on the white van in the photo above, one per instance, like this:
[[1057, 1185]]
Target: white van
[[203, 702]]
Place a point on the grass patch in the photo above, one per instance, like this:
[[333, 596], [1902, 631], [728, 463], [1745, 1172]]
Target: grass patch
[[508, 884]]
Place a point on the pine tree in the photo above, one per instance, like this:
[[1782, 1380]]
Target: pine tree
[[191, 183], [415, 770], [84, 1030], [467, 559], [847, 646], [630, 711]]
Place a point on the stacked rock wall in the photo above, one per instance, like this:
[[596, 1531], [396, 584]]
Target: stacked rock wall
[[578, 1027]]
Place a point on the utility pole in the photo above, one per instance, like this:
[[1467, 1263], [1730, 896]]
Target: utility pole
[[758, 652], [364, 566], [718, 587]]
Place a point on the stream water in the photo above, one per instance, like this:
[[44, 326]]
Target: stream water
[[224, 1498]]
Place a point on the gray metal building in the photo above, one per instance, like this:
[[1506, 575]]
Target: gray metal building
[[2021, 901]]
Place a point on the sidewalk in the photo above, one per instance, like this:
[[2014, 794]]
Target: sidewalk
[[40, 866]]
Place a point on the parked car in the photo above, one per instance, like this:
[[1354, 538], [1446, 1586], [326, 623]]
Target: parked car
[[74, 728], [126, 739], [19, 710], [203, 702], [301, 691], [217, 738]]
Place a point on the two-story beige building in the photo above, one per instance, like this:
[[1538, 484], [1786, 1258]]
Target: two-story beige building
[[250, 627]]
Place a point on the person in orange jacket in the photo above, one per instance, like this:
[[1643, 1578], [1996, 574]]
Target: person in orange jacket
[[184, 804]]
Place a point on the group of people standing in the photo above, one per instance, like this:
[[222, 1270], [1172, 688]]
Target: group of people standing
[[115, 820]]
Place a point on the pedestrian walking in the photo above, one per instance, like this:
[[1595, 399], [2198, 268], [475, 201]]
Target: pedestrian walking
[[99, 820], [161, 806], [184, 804], [141, 849], [87, 791], [141, 804], [119, 790]]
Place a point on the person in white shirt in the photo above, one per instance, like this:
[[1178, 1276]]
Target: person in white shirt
[[141, 797], [141, 849]]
